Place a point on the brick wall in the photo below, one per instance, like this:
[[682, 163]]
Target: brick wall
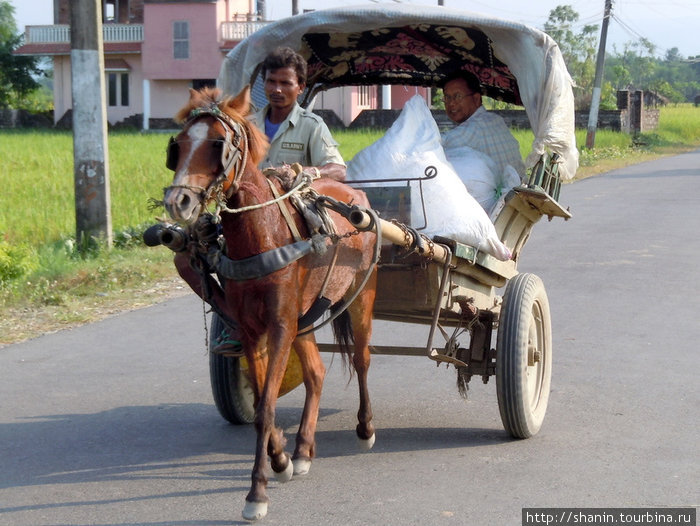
[[616, 120]]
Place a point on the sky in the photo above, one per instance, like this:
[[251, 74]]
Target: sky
[[666, 23]]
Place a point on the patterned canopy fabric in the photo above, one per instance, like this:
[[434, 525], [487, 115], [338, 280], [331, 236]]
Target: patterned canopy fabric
[[416, 55]]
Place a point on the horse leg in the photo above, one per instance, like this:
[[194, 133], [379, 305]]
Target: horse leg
[[361, 315], [314, 373], [268, 372], [280, 463]]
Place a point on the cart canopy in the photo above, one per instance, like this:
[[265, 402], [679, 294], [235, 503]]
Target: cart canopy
[[421, 46]]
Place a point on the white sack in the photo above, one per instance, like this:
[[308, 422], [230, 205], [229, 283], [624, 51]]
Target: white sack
[[479, 173], [409, 146], [509, 180]]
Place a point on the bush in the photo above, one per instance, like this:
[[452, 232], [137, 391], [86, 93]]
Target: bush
[[16, 261]]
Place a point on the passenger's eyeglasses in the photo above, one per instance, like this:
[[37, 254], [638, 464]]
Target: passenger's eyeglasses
[[457, 97]]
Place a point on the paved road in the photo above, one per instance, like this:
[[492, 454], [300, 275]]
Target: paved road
[[113, 423]]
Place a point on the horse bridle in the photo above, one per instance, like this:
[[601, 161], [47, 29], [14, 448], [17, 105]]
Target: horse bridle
[[234, 154]]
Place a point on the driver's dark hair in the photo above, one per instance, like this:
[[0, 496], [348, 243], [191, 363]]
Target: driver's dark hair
[[285, 57], [472, 81]]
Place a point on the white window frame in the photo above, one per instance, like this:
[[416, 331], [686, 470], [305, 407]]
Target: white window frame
[[118, 88], [364, 96]]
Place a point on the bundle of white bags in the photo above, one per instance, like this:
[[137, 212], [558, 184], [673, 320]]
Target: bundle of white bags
[[409, 146], [481, 176]]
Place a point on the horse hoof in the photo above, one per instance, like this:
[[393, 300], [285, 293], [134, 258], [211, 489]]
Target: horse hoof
[[286, 474], [301, 466], [366, 444], [254, 511]]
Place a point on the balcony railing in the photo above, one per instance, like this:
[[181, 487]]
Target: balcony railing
[[130, 32], [61, 33], [239, 30]]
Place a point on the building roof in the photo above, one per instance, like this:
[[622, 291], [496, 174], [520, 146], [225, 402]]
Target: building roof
[[116, 64]]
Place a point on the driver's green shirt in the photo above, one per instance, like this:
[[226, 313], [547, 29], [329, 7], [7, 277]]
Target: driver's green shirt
[[302, 137]]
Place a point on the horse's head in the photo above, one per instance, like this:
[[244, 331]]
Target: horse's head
[[211, 153]]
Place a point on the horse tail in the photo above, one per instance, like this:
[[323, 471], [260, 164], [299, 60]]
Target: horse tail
[[342, 333]]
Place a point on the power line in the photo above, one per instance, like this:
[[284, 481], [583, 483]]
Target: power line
[[658, 50]]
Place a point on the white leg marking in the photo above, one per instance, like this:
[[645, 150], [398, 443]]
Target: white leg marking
[[301, 466], [286, 474], [254, 511], [366, 445]]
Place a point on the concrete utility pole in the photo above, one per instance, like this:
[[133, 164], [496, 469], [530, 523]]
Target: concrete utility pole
[[91, 168], [598, 81]]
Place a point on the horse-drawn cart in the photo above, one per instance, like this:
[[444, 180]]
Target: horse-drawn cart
[[451, 287]]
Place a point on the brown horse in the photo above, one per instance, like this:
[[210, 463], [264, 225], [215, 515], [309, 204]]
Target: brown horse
[[218, 152]]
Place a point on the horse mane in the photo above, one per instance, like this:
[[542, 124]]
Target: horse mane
[[237, 108]]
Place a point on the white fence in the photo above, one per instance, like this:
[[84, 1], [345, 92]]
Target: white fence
[[239, 30], [61, 33], [130, 32]]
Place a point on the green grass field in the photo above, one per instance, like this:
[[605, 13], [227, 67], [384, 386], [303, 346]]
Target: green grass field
[[37, 215]]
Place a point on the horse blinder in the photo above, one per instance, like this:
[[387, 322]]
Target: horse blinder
[[229, 152], [232, 155], [172, 154]]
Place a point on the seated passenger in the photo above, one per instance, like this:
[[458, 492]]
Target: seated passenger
[[477, 128]]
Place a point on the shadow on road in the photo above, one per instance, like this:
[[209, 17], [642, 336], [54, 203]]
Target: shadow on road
[[134, 442]]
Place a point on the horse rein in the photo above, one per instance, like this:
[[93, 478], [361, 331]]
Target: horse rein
[[234, 157]]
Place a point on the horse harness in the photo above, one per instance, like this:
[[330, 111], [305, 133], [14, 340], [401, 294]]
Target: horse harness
[[234, 154], [303, 198]]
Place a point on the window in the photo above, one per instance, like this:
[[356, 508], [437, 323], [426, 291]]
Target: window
[[125, 89], [181, 40], [118, 89], [115, 11], [364, 96], [108, 13], [203, 83]]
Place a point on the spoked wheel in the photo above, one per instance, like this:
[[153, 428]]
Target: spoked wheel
[[230, 386], [232, 391], [524, 356]]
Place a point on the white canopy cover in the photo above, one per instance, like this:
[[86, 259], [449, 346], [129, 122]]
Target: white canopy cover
[[420, 45]]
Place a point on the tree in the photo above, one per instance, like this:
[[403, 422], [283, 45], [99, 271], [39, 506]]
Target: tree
[[578, 49], [637, 66], [17, 73], [8, 26]]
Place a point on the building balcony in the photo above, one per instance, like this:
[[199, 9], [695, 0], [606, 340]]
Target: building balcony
[[124, 38], [60, 34], [237, 31]]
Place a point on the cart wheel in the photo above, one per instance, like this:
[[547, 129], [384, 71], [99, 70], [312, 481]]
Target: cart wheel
[[524, 356], [233, 394]]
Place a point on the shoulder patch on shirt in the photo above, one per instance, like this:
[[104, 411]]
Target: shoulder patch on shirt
[[311, 115], [297, 146]]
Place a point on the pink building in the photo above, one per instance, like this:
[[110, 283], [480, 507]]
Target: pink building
[[154, 50]]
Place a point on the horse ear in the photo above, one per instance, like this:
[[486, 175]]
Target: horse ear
[[241, 102], [194, 96]]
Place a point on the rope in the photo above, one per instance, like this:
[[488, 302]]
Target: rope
[[303, 183]]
